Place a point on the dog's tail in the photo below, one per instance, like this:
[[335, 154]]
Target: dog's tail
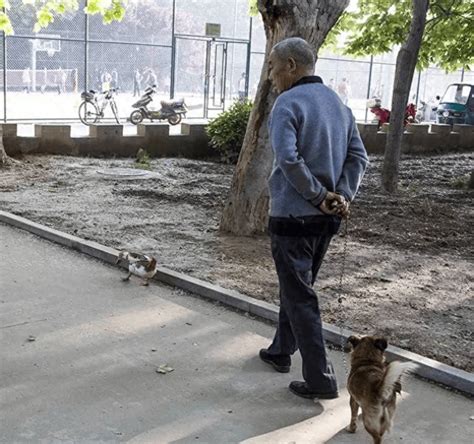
[[395, 371]]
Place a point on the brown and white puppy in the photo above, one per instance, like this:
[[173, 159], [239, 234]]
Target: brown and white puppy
[[373, 385]]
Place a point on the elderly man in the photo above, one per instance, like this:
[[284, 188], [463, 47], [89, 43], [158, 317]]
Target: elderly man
[[319, 161]]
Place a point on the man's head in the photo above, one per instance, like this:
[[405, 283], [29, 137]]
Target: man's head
[[290, 60]]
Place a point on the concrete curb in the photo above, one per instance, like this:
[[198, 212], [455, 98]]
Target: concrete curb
[[427, 368]]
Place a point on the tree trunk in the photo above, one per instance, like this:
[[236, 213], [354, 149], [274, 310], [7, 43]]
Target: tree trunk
[[405, 68], [4, 159], [246, 211]]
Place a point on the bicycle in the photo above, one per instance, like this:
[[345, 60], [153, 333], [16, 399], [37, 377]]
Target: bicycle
[[92, 109]]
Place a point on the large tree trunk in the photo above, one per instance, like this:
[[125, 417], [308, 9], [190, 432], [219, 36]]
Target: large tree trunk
[[405, 68], [246, 211]]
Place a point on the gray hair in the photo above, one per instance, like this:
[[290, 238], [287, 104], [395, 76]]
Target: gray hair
[[296, 48]]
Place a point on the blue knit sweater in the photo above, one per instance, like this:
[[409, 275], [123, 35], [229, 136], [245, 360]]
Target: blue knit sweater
[[317, 147]]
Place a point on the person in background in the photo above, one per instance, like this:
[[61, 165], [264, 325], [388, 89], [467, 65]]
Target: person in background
[[152, 79], [343, 91], [106, 80], [62, 76], [137, 82], [45, 80], [241, 87], [98, 76], [26, 79], [114, 81]]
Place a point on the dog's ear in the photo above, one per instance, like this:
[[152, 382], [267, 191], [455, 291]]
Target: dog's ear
[[354, 341], [381, 344]]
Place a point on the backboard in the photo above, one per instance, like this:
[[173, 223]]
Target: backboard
[[49, 43]]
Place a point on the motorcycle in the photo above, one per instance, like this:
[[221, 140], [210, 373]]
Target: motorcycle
[[173, 110], [383, 114]]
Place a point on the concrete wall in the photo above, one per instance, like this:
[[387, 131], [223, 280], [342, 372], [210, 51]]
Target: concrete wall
[[192, 142], [108, 140], [420, 138]]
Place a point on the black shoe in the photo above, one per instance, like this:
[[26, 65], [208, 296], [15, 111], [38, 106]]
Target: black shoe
[[300, 388], [281, 363]]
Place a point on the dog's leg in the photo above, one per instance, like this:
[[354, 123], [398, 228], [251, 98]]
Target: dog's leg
[[145, 283], [354, 412], [126, 278], [376, 437]]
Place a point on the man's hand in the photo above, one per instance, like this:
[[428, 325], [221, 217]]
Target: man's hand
[[335, 205]]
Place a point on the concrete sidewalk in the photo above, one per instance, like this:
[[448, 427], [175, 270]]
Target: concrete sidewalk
[[90, 376]]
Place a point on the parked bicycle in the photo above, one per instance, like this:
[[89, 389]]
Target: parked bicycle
[[93, 106]]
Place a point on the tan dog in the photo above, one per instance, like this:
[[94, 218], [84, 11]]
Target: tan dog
[[373, 385]]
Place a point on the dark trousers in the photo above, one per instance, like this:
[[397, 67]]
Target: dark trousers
[[297, 260]]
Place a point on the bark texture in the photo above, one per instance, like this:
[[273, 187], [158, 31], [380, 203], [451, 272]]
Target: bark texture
[[405, 68], [246, 210], [4, 159]]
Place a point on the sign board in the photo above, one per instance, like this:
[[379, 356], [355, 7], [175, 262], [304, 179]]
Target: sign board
[[213, 29]]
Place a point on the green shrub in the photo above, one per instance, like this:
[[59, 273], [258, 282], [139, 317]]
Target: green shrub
[[142, 160], [227, 131]]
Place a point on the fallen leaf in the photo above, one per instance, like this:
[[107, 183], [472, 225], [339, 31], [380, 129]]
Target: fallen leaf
[[164, 368], [31, 338]]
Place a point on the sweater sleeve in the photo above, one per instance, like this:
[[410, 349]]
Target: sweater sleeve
[[283, 137], [354, 166]]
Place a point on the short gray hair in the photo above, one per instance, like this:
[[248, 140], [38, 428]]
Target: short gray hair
[[296, 48]]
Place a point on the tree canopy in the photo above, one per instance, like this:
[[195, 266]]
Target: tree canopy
[[47, 10], [378, 25]]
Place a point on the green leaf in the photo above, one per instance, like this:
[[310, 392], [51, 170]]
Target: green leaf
[[5, 24], [253, 8], [378, 25]]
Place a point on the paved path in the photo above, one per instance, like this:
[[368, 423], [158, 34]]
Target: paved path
[[89, 376]]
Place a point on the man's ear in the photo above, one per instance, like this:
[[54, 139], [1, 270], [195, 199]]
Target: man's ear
[[354, 341], [381, 344], [292, 64]]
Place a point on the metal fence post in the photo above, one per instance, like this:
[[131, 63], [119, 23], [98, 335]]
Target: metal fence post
[[369, 85], [86, 50], [418, 88], [247, 65], [4, 42], [173, 51]]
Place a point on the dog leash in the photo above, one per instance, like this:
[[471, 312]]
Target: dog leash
[[341, 298]]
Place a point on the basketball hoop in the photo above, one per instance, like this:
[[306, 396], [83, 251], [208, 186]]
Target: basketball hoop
[[51, 52]]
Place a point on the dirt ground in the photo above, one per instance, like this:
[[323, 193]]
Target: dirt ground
[[409, 257]]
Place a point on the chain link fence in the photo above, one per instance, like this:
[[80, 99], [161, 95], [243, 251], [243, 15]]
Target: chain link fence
[[163, 42]]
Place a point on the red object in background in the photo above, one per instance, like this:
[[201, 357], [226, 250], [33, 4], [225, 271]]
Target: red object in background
[[383, 114], [410, 113]]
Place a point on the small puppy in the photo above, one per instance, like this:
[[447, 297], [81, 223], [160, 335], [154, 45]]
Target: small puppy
[[140, 265], [373, 385]]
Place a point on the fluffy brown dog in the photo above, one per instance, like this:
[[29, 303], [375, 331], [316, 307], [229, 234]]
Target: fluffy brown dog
[[373, 385]]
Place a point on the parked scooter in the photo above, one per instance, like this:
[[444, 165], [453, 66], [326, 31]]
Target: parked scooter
[[383, 114], [173, 110]]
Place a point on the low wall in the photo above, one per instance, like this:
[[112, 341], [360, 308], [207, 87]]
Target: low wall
[[108, 140], [193, 142], [420, 138]]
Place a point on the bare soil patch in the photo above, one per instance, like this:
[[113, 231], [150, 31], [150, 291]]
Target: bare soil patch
[[410, 257]]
